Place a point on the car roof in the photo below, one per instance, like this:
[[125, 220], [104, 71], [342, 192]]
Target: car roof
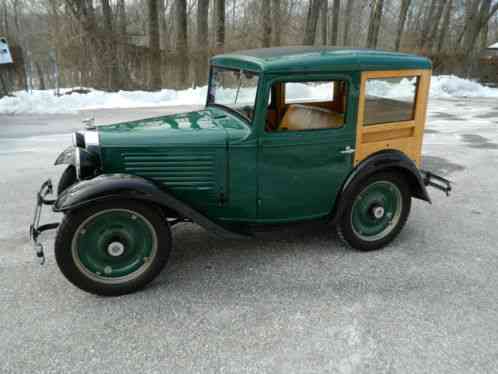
[[317, 59]]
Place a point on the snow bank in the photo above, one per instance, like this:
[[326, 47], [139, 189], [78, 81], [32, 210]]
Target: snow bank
[[446, 86], [44, 102]]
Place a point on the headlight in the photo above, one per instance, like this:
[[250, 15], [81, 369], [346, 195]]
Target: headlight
[[85, 163], [78, 140], [91, 138], [77, 162]]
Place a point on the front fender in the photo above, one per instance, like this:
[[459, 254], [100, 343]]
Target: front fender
[[125, 186], [66, 156]]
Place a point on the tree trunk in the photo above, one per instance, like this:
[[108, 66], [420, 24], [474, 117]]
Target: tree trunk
[[324, 21], [266, 9], [5, 20], [347, 22], [477, 22], [374, 23], [154, 46], [202, 42], [445, 26], [163, 25], [111, 67], [484, 30], [311, 22], [428, 21], [277, 19], [405, 5], [435, 23], [334, 29], [122, 45], [220, 25], [41, 78], [181, 40]]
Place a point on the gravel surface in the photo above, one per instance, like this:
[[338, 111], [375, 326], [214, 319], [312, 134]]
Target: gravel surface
[[289, 301]]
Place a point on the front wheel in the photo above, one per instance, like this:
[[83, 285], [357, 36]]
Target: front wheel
[[376, 211], [112, 248]]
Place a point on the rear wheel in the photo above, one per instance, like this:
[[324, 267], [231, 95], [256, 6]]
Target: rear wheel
[[377, 210], [112, 248]]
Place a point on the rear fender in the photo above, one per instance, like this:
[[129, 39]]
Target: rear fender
[[124, 186], [387, 160]]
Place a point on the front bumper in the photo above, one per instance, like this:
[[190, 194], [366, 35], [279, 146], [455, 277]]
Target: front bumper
[[35, 229]]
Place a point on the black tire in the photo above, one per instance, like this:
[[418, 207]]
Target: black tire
[[67, 179], [70, 264], [346, 228]]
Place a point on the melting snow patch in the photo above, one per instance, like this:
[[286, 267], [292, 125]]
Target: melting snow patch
[[44, 102]]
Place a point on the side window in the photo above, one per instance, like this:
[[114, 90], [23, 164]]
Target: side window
[[309, 92], [390, 100], [307, 105]]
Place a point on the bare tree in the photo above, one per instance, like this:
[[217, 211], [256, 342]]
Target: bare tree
[[334, 29], [277, 19], [347, 22], [403, 11], [181, 40], [429, 19], [324, 17], [311, 22], [482, 11], [374, 23], [266, 10], [154, 46], [220, 24], [435, 24], [111, 62], [202, 40], [445, 26]]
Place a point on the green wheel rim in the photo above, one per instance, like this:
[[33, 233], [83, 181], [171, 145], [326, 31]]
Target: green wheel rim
[[114, 246], [376, 210]]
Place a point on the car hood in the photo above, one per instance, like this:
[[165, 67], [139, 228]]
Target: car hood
[[210, 126]]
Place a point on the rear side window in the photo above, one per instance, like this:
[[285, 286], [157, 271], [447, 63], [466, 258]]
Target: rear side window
[[308, 92], [390, 100]]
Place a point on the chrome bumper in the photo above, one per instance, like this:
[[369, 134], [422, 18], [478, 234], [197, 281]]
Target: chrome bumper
[[35, 229], [433, 180]]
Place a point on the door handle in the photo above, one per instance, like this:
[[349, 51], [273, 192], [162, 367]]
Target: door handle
[[348, 150]]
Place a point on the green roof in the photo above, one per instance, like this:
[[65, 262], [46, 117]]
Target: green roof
[[317, 59]]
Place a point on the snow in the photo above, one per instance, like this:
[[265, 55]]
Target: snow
[[493, 45], [44, 102]]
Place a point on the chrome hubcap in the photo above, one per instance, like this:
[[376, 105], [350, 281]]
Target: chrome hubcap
[[378, 212], [115, 249]]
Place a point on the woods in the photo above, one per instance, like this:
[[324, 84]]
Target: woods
[[149, 44]]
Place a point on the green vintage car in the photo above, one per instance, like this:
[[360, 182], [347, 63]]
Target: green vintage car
[[287, 134]]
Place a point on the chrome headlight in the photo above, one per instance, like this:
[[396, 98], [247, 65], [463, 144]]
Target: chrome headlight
[[77, 162], [78, 140], [91, 138], [85, 162]]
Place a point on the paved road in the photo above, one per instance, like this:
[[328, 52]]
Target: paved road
[[289, 301]]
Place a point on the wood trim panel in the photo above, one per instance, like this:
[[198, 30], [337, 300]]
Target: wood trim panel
[[407, 141]]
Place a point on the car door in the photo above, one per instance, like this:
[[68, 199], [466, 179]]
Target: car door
[[300, 172]]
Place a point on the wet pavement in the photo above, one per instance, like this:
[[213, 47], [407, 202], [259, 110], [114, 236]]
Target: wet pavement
[[291, 300]]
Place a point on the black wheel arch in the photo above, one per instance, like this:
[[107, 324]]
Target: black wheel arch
[[393, 161], [124, 186]]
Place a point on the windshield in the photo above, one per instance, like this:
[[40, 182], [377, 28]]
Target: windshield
[[234, 89]]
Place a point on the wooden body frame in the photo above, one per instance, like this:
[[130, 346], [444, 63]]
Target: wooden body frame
[[405, 136]]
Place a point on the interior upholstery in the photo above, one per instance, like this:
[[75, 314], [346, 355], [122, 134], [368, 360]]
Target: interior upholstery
[[299, 117]]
